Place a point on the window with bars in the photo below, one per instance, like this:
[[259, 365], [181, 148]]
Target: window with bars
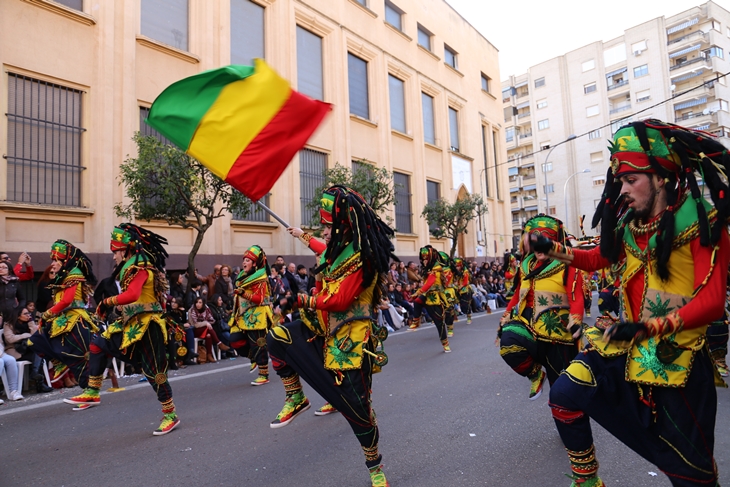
[[312, 165], [359, 166], [403, 213], [166, 21], [433, 193], [255, 213], [44, 142], [247, 32]]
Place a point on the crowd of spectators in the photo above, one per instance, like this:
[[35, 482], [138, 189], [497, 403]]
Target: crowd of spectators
[[204, 310]]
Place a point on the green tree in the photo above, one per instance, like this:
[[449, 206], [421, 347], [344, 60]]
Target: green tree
[[375, 184], [164, 183], [449, 220]]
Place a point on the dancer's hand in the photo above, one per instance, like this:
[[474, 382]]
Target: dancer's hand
[[295, 231], [625, 332], [540, 243]]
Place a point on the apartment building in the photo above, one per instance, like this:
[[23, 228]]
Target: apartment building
[[412, 83], [560, 115]]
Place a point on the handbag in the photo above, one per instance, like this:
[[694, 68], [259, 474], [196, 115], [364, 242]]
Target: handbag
[[202, 355]]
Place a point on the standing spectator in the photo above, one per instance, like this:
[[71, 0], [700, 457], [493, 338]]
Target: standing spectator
[[11, 296], [278, 286], [224, 286], [209, 281], [291, 269], [194, 293], [412, 271], [221, 316], [176, 286], [302, 279], [44, 296], [279, 260], [23, 261]]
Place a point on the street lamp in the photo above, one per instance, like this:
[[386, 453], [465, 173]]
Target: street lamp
[[565, 191], [547, 202]]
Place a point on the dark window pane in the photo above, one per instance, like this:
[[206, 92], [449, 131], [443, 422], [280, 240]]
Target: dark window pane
[[403, 214], [166, 21], [309, 64], [393, 15], [454, 128], [450, 57], [247, 32], [429, 131], [424, 38], [74, 4], [397, 104], [44, 142], [357, 76]]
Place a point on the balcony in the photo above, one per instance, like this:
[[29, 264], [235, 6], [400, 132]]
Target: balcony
[[620, 109], [621, 83], [523, 94], [523, 115], [692, 116], [687, 38], [525, 135], [698, 59]]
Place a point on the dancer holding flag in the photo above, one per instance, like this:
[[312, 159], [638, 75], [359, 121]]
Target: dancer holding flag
[[649, 378]]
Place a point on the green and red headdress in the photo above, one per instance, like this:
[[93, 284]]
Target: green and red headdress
[[257, 255], [354, 222], [677, 155], [430, 255], [139, 244], [71, 257]]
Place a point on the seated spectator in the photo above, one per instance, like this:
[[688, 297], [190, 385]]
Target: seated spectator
[[11, 295], [224, 286], [202, 320], [478, 298], [221, 315], [412, 271], [194, 293], [19, 327], [492, 293], [392, 274], [400, 299], [178, 314], [176, 286], [11, 372], [302, 279], [44, 296], [402, 273], [34, 313]]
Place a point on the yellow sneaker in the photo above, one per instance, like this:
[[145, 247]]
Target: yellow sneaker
[[169, 423], [325, 410], [536, 383], [293, 406], [377, 477]]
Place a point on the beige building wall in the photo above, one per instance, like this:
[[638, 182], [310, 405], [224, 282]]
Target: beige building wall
[[591, 91], [100, 51]]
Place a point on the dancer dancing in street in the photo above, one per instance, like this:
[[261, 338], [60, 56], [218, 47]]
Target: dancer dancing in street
[[649, 378], [539, 331], [463, 276], [252, 314], [139, 337], [432, 294], [66, 328], [337, 352]]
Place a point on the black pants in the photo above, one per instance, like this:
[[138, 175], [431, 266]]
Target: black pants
[[717, 335], [439, 317], [302, 353], [673, 428], [251, 344], [519, 348], [465, 302], [608, 302], [71, 349], [148, 354]]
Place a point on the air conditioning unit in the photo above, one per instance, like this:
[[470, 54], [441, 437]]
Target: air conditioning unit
[[638, 53]]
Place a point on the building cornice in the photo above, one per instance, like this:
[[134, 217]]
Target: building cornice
[[63, 11]]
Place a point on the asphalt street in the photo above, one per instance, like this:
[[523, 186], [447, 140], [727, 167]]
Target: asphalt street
[[458, 419]]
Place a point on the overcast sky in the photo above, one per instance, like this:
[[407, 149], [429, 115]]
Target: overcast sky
[[528, 32]]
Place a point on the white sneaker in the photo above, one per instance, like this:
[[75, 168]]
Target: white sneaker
[[2, 402], [15, 396]]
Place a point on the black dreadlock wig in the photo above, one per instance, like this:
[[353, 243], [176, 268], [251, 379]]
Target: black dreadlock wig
[[143, 244], [431, 255], [696, 152], [354, 221]]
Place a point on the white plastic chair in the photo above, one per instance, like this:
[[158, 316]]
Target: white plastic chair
[[118, 367], [214, 348], [21, 373]]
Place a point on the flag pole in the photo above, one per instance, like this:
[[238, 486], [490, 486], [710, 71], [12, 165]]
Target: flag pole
[[276, 217]]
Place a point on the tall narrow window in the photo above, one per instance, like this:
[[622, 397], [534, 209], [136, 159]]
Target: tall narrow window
[[454, 129], [424, 37], [247, 32], [44, 142], [166, 21], [429, 130], [433, 193], [485, 82], [357, 77], [397, 104], [450, 57], [486, 159], [312, 165], [309, 64], [496, 164], [403, 213], [393, 15]]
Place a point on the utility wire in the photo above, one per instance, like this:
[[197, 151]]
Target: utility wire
[[712, 81]]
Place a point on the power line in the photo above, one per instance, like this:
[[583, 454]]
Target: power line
[[712, 81]]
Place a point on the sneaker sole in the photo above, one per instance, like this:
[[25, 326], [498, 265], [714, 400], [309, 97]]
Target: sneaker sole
[[412, 329], [323, 413], [161, 433], [281, 425], [84, 407], [536, 396], [254, 383], [71, 401]]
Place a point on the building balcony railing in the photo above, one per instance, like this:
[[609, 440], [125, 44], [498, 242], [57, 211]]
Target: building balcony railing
[[619, 109], [690, 116], [688, 37], [522, 95], [691, 61], [523, 115], [621, 83], [525, 135]]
